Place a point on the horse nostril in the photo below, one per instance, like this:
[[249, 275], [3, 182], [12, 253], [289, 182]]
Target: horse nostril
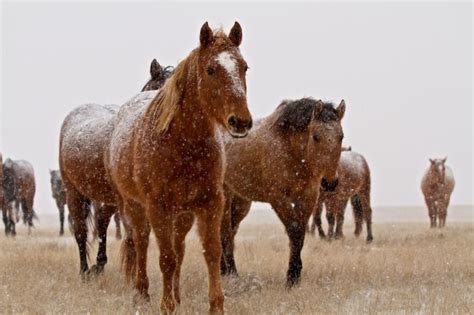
[[232, 121], [249, 124]]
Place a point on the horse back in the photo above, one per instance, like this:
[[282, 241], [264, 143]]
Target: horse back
[[85, 134]]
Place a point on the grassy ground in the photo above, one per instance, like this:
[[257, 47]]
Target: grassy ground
[[408, 268]]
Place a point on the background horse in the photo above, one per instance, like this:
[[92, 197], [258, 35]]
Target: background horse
[[19, 187], [437, 186], [159, 75], [85, 134], [59, 195], [283, 161], [354, 184], [1, 180], [166, 160]]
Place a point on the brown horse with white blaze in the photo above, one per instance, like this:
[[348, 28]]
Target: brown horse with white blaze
[[354, 185], [437, 186], [84, 139], [167, 162], [283, 161]]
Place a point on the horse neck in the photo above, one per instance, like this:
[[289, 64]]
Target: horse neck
[[192, 123]]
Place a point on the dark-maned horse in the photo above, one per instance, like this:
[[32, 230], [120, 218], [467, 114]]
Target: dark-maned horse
[[354, 185], [283, 161], [166, 159], [159, 75], [59, 195], [1, 180], [19, 187], [437, 186], [85, 134]]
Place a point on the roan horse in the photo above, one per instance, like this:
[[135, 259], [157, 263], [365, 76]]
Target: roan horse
[[167, 162], [354, 184], [283, 161], [85, 135], [19, 187], [437, 186]]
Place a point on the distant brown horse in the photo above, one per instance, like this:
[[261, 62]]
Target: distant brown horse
[[19, 186], [167, 162], [283, 161], [85, 135], [59, 195], [354, 184], [437, 186], [1, 180]]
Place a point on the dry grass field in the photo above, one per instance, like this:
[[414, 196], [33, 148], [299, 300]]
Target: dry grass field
[[407, 269]]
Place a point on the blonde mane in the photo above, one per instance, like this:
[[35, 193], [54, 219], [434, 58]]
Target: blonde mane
[[165, 105]]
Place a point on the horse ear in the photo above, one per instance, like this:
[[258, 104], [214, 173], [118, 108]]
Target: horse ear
[[444, 160], [206, 36], [341, 109], [155, 69], [235, 34], [432, 161]]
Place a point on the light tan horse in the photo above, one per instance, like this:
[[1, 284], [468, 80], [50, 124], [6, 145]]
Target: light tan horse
[[166, 159], [283, 161], [354, 184], [437, 186]]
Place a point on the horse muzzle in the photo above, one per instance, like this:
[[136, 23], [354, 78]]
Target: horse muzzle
[[238, 128], [329, 186]]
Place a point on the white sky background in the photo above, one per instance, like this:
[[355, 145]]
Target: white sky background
[[405, 71]]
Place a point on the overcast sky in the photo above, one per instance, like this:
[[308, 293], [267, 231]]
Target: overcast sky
[[404, 70]]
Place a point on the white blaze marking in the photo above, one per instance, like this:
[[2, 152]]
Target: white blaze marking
[[227, 61]]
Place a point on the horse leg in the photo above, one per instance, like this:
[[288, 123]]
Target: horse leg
[[239, 208], [365, 203], [11, 220], [295, 221], [331, 219], [61, 218], [118, 231], [6, 220], [183, 224], [357, 211], [28, 213], [79, 209], [161, 220], [226, 232], [341, 207], [317, 219], [141, 237], [103, 214], [209, 223]]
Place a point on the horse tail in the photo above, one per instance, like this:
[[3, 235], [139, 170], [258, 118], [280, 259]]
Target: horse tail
[[128, 258]]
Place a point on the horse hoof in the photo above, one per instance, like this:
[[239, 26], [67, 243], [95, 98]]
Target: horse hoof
[[369, 239], [141, 299], [94, 271]]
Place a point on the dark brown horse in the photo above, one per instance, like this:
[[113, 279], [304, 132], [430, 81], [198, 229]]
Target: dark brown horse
[[437, 186], [166, 159], [354, 185], [283, 161], [85, 135], [59, 195], [19, 187], [159, 75]]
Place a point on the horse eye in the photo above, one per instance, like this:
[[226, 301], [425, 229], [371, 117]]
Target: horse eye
[[341, 138], [211, 71], [316, 138], [246, 67]]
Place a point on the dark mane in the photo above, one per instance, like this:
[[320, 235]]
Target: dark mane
[[296, 115]]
